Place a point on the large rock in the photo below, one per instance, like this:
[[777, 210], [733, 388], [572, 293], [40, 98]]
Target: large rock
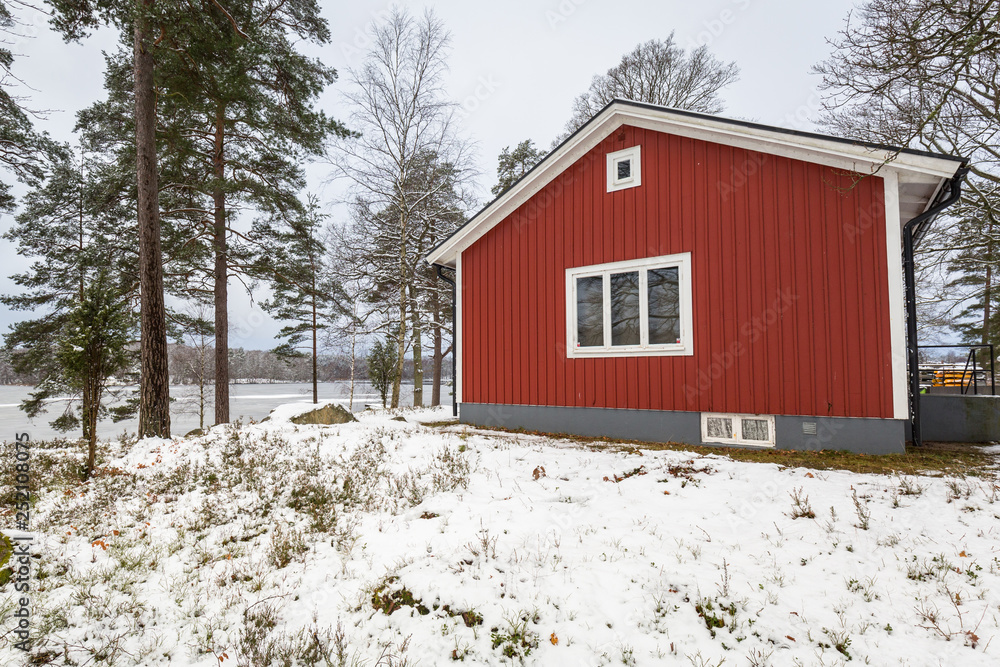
[[328, 414]]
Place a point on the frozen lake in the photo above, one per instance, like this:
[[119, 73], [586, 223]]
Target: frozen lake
[[246, 400]]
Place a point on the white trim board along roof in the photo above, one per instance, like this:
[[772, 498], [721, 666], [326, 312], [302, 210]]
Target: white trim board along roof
[[920, 174]]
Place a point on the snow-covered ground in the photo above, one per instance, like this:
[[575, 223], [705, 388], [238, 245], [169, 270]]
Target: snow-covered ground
[[389, 543]]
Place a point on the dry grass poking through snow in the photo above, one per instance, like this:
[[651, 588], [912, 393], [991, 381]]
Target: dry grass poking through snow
[[391, 543]]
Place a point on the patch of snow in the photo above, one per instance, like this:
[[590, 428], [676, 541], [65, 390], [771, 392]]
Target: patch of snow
[[570, 554]]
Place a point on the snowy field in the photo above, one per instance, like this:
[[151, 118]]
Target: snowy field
[[393, 543]]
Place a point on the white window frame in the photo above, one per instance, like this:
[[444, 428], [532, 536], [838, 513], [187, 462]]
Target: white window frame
[[738, 427], [634, 154], [681, 261]]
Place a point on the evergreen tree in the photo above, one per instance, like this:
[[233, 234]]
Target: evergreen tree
[[304, 291], [142, 20], [80, 288], [93, 348], [239, 118], [513, 164], [236, 119], [383, 367]]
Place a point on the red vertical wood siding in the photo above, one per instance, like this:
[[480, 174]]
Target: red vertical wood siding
[[789, 273]]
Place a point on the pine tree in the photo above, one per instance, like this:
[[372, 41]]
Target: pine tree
[[239, 120], [80, 288], [382, 367], [303, 289], [513, 164], [236, 118], [93, 348], [142, 19]]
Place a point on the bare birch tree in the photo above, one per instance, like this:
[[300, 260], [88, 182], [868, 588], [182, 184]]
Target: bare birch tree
[[407, 153]]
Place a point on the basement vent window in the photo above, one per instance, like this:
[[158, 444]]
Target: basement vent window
[[624, 169], [754, 430]]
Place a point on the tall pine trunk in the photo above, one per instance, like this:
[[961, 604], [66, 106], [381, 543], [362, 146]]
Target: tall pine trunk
[[154, 386], [91, 449], [86, 398], [90, 416], [86, 408], [221, 278], [92, 401]]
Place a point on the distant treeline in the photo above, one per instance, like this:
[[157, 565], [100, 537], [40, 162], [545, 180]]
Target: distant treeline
[[186, 364], [266, 365]]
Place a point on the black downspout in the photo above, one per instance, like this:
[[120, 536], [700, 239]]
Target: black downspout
[[909, 278], [454, 339]]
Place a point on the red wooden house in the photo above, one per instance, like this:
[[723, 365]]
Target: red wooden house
[[677, 277]]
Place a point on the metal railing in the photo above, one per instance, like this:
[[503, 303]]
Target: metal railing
[[968, 379]]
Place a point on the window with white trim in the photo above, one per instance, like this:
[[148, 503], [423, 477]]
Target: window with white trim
[[730, 429], [624, 169], [634, 308]]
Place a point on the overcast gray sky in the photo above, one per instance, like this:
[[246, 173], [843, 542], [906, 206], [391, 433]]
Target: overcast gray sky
[[515, 68]]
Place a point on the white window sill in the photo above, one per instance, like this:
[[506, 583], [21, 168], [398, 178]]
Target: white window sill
[[666, 351]]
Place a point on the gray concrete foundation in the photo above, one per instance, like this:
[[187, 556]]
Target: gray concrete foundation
[[868, 436]]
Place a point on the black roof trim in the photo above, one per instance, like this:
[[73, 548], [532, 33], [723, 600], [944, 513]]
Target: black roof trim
[[704, 116], [785, 130]]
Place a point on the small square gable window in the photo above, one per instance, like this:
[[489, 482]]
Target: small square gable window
[[624, 169]]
